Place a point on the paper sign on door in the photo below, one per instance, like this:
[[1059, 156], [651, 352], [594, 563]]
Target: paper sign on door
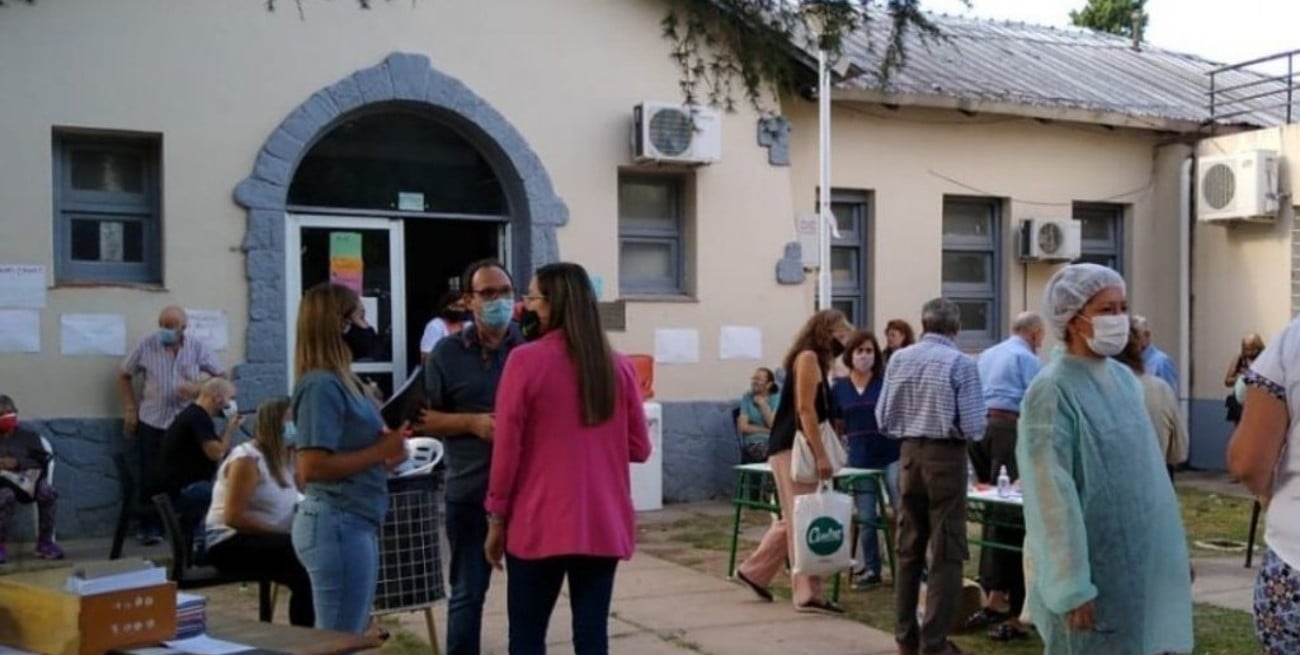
[[345, 259]]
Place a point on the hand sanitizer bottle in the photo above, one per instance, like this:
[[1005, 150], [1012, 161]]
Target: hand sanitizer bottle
[[1004, 483]]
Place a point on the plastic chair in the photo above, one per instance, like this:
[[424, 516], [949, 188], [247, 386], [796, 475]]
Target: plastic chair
[[423, 454], [187, 576], [49, 479]]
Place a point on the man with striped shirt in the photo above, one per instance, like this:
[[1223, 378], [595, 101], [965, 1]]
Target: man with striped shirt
[[932, 400], [172, 368]]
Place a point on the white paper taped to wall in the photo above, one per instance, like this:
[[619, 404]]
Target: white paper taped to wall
[[371, 305], [677, 346], [20, 331], [740, 342], [209, 326], [93, 334], [22, 286]]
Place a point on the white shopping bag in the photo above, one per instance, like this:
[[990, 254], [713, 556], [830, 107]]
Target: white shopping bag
[[822, 527]]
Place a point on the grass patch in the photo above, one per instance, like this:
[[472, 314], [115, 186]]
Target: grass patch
[[1214, 516], [701, 542]]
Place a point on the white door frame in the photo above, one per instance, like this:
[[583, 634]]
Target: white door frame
[[293, 224]]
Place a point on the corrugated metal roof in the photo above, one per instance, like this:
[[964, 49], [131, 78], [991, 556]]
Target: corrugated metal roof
[[1043, 66]]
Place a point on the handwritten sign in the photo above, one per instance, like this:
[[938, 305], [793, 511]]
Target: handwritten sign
[[22, 286]]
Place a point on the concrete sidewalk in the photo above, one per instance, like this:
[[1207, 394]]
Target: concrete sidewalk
[[661, 608]]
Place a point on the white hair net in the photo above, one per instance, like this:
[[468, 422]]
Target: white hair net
[[1071, 288]]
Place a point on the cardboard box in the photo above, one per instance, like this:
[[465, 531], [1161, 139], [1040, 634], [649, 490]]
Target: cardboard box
[[36, 614]]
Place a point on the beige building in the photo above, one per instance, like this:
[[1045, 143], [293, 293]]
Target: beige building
[[223, 158]]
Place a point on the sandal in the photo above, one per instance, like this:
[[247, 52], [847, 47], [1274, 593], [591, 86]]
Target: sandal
[[1008, 631], [820, 607], [986, 617], [758, 589]]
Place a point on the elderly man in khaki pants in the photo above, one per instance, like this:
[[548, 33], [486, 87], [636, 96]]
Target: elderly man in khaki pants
[[932, 400]]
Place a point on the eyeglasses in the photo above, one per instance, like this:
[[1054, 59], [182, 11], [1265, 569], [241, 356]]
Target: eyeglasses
[[493, 293]]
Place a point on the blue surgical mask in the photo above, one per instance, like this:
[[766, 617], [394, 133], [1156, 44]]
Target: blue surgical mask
[[497, 313], [290, 434], [169, 337]]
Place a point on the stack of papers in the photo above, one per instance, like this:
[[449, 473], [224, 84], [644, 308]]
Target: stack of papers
[[191, 615], [118, 575]]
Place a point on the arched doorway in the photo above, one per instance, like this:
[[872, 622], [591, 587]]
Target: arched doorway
[[417, 176], [393, 202]]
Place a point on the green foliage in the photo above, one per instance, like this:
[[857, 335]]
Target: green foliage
[[729, 48], [1113, 16]]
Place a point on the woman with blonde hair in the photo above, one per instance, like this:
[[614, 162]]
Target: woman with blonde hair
[[569, 419], [252, 511], [805, 404], [342, 449]]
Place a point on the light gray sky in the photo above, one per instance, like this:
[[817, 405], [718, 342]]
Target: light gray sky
[[1227, 31]]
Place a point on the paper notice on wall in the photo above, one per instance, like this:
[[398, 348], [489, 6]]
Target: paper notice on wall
[[740, 342], [345, 259], [92, 334], [22, 286], [209, 326], [371, 305], [677, 346], [20, 331]]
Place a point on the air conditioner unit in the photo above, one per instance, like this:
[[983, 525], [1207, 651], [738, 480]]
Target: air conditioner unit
[[666, 133], [1237, 187], [1050, 239]]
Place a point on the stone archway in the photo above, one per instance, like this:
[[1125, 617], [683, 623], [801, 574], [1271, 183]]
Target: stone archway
[[401, 77]]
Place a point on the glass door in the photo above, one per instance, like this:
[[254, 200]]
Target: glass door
[[367, 255]]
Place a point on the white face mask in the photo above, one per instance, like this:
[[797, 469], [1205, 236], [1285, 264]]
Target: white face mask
[[230, 409], [1109, 334], [862, 363]]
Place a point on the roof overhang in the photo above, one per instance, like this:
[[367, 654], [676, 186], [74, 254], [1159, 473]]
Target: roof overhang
[[1007, 108]]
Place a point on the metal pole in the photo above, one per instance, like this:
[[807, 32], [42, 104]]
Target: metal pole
[[1290, 84], [823, 182]]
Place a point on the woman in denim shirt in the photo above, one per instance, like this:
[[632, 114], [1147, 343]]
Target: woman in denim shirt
[[343, 446]]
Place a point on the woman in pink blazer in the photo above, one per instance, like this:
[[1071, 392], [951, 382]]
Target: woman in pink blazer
[[568, 422]]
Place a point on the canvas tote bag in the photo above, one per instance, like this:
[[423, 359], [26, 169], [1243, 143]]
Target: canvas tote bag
[[803, 466]]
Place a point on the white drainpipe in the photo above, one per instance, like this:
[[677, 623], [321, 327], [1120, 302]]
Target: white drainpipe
[[1185, 219]]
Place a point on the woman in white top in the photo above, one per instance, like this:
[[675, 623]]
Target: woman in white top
[[252, 511], [452, 318], [1265, 454]]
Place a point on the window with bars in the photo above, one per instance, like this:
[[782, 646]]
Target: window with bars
[[1102, 227], [972, 265], [107, 222], [650, 235]]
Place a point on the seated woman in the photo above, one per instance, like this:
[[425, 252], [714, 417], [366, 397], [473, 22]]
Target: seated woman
[[22, 454], [252, 511], [757, 412]]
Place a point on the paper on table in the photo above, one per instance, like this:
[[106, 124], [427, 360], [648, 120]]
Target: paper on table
[[20, 331], [93, 334], [677, 346], [740, 342], [209, 326], [22, 286], [205, 645]]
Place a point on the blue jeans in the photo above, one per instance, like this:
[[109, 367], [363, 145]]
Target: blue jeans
[[867, 497], [532, 587], [467, 530], [340, 551]]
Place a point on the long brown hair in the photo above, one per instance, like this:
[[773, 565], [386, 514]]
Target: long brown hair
[[269, 436], [817, 335], [567, 290], [320, 345]]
